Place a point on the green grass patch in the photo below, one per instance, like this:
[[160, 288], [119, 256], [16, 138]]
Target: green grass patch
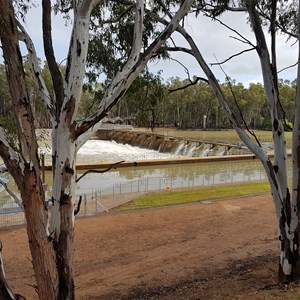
[[196, 195]]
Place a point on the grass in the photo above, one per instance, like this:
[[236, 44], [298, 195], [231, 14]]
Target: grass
[[196, 195], [217, 135]]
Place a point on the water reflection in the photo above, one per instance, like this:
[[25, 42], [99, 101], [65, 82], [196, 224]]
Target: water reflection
[[198, 174]]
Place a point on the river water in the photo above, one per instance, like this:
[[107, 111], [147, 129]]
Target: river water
[[179, 175]]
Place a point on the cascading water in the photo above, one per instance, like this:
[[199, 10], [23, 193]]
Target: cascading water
[[190, 149], [178, 148], [98, 150], [202, 150], [218, 151]]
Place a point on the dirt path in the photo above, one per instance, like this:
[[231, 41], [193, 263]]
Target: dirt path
[[223, 250]]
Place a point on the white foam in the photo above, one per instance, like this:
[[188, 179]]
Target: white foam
[[112, 151]]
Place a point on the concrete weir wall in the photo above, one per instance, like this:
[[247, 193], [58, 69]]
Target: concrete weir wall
[[143, 140], [167, 144]]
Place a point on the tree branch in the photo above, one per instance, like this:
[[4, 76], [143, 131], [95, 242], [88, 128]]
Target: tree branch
[[185, 68], [288, 67], [177, 49], [99, 171], [238, 107], [236, 32], [12, 194], [282, 29], [190, 84], [35, 69], [11, 158], [232, 56], [85, 7], [56, 75], [77, 210], [214, 7], [76, 61]]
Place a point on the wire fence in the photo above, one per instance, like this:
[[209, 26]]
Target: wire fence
[[103, 199]]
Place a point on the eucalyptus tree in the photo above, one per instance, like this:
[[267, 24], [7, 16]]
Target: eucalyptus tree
[[276, 16], [50, 224]]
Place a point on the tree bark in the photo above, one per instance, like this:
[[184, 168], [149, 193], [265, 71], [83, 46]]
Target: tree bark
[[62, 211], [40, 241]]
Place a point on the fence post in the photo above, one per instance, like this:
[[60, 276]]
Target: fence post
[[84, 204], [114, 194], [96, 200]]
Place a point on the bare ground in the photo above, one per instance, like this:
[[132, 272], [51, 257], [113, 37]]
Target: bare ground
[[223, 250]]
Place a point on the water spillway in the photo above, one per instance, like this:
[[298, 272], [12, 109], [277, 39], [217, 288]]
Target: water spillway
[[167, 144]]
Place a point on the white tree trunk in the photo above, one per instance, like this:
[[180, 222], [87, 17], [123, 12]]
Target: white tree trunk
[[277, 172]]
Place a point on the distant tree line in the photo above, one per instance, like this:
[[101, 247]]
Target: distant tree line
[[150, 102], [177, 103]]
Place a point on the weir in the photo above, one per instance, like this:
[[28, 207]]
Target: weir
[[167, 144]]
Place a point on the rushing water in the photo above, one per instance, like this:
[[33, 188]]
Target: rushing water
[[103, 151]]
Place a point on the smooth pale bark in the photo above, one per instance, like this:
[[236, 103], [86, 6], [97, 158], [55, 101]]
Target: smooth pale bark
[[296, 146], [35, 68], [288, 233]]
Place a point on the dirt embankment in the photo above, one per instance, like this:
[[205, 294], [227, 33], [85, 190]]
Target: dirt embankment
[[223, 250]]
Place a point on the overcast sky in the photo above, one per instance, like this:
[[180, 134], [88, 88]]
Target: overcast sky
[[212, 39]]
